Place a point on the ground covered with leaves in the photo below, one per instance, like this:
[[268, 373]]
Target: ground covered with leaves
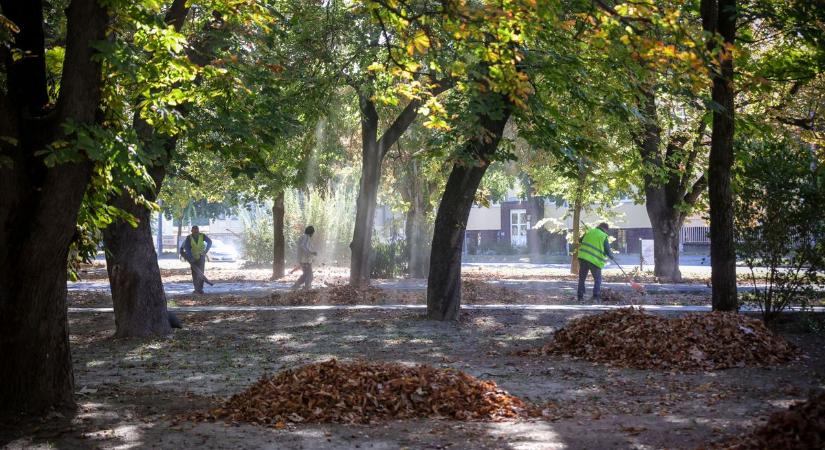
[[132, 393], [802, 426], [630, 337]]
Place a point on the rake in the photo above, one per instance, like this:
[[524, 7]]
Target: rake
[[636, 286]]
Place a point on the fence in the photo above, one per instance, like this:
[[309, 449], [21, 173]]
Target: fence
[[695, 235]]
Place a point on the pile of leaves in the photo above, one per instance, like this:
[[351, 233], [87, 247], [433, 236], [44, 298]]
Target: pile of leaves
[[629, 337], [800, 427], [363, 392]]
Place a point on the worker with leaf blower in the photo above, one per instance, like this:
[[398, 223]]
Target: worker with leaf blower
[[594, 250], [194, 249]]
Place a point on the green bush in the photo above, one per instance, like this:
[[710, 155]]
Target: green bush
[[258, 240], [388, 259], [780, 225]]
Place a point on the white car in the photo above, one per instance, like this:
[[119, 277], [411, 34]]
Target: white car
[[221, 251]]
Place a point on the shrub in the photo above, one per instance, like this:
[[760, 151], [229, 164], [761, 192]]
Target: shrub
[[258, 242], [388, 259], [780, 224]]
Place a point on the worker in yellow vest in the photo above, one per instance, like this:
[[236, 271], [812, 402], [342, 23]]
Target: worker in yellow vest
[[194, 249], [594, 250]]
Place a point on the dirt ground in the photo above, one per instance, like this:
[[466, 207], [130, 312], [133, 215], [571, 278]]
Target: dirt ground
[[131, 392]]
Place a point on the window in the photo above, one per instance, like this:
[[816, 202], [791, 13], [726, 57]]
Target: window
[[518, 227]]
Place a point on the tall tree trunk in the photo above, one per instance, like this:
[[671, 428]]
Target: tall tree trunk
[[39, 203], [180, 234], [534, 235], [666, 228], [371, 156], [278, 240], [134, 276], [720, 16], [415, 225], [444, 281], [373, 151], [578, 205], [160, 229], [665, 200], [417, 246]]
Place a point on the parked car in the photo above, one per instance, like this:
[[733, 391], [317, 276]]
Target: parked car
[[221, 251]]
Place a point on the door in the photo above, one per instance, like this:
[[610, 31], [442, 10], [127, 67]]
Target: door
[[518, 227]]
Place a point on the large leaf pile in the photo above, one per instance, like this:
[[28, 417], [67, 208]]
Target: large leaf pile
[[800, 427], [362, 392], [629, 337]]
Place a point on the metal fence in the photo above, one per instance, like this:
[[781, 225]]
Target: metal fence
[[695, 235]]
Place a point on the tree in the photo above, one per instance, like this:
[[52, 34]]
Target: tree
[[46, 161], [131, 262], [719, 19], [671, 186]]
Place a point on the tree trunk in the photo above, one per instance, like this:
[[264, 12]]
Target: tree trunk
[[720, 16], [160, 230], [278, 240], [444, 281], [39, 203], [180, 234], [134, 276], [666, 228], [373, 151], [534, 235], [415, 225], [365, 204], [417, 246], [577, 214]]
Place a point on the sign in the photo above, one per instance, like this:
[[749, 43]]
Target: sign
[[646, 257]]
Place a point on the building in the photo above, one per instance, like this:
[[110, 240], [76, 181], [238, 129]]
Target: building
[[510, 227]]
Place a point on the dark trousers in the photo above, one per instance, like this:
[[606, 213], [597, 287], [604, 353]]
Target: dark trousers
[[584, 267], [306, 277], [197, 277]]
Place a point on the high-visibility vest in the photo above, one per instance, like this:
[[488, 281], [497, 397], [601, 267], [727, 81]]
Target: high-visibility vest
[[198, 247], [592, 247]]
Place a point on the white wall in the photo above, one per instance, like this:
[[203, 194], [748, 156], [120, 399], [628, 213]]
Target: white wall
[[484, 218]]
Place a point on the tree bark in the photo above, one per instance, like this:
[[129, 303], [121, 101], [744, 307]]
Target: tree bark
[[577, 214], [417, 246], [131, 261], [666, 230], [373, 151], [371, 156], [444, 281], [665, 199], [134, 276], [39, 204], [416, 193], [279, 242], [180, 233], [719, 16]]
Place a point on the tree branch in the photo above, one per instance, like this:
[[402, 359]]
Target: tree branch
[[404, 120]]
